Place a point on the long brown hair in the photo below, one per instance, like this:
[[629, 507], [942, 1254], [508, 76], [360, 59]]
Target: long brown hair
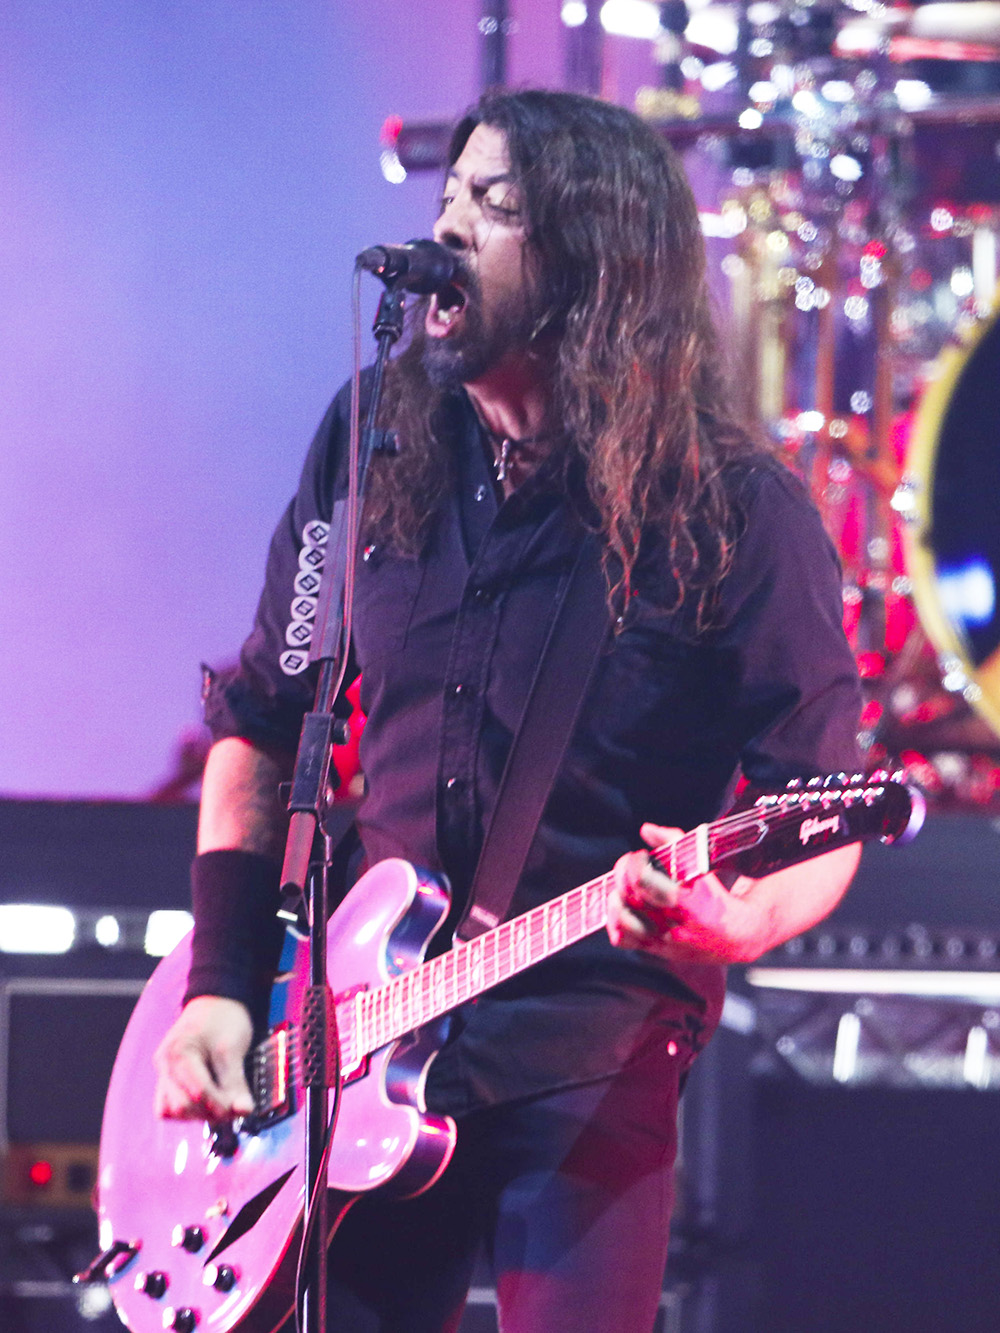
[[638, 383]]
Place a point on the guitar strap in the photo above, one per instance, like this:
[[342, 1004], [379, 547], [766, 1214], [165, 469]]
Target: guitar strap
[[580, 628]]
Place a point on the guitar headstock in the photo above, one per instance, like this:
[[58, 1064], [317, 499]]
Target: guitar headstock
[[813, 815]]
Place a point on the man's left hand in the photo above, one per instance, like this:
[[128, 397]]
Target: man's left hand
[[701, 921]]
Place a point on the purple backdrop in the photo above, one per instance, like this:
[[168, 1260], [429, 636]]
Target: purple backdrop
[[183, 189]]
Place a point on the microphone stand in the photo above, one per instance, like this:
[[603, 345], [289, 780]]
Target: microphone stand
[[300, 877]]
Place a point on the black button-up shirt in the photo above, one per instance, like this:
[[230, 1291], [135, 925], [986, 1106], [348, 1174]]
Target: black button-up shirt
[[448, 645]]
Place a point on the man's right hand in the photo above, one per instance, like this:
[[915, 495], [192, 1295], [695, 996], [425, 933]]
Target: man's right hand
[[199, 1063]]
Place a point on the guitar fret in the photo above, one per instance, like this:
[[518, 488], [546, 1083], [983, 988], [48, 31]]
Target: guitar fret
[[376, 1017]]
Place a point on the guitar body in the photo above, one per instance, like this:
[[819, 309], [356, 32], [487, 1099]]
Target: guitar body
[[159, 1175], [199, 1227]]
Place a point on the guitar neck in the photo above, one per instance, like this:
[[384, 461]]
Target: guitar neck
[[434, 988], [778, 830]]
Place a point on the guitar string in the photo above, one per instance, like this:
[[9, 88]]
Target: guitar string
[[376, 1017], [387, 1012]]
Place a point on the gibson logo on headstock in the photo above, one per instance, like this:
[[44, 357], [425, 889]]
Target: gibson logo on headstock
[[811, 828]]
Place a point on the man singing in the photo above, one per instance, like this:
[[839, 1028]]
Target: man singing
[[566, 383]]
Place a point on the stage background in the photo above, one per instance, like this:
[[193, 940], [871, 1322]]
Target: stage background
[[183, 189]]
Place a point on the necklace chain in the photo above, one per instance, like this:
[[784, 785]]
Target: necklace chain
[[509, 446]]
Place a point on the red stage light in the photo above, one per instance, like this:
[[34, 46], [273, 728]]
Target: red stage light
[[40, 1173], [391, 129]]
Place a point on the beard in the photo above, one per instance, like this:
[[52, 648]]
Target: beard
[[482, 342]]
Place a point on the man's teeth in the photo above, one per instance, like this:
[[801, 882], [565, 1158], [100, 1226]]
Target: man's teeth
[[446, 314]]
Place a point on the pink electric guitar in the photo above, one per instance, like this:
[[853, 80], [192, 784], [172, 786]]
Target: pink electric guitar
[[198, 1224]]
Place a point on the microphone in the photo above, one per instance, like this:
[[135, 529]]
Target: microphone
[[418, 266]]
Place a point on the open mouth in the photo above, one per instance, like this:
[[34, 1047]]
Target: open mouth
[[446, 304]]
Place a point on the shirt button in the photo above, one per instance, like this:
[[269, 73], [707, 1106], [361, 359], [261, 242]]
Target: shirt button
[[483, 596], [451, 783], [459, 690], [481, 493]]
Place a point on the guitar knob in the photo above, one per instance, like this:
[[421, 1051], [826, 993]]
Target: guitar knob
[[187, 1238], [183, 1320], [220, 1276], [153, 1284]]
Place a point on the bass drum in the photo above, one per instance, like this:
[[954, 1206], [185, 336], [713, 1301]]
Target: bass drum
[[951, 500]]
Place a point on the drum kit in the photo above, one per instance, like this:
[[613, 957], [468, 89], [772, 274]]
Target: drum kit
[[862, 208], [853, 150]]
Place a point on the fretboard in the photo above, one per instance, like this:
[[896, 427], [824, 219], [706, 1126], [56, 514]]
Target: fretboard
[[434, 988], [792, 825]]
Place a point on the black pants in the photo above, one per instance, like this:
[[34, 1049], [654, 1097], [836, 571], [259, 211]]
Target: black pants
[[568, 1194]]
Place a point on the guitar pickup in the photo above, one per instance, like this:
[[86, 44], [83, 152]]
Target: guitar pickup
[[353, 1062], [271, 1080]]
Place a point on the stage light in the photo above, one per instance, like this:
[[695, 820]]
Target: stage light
[[967, 592], [962, 283], [837, 90], [40, 1173], [574, 13], [107, 931], [913, 94], [845, 1051], [165, 930], [631, 18], [715, 77], [727, 224], [33, 928], [807, 103], [975, 1069], [845, 167], [979, 987], [392, 168]]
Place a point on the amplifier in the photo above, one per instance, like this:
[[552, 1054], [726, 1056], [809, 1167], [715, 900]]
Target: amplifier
[[110, 866], [58, 1040]]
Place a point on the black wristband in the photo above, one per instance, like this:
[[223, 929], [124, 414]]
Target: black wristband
[[237, 937]]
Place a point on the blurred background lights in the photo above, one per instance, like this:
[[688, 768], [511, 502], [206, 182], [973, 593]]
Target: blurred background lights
[[807, 103], [631, 18], [837, 90], [845, 167], [33, 928], [913, 94], [107, 931], [574, 13], [164, 930], [715, 28], [762, 92], [392, 169], [810, 421], [961, 281], [716, 76], [967, 592]]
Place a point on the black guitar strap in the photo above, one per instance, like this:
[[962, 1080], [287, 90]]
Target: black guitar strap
[[580, 628]]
